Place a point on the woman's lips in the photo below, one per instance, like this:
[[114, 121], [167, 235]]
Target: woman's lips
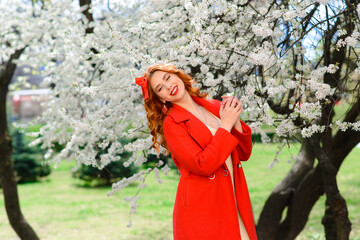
[[174, 91]]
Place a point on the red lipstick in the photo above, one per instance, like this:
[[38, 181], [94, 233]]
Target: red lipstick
[[174, 91]]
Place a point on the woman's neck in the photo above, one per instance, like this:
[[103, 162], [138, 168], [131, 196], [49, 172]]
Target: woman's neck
[[187, 102]]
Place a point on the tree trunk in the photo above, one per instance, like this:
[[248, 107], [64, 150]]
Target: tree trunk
[[336, 220], [299, 190], [8, 181], [282, 196]]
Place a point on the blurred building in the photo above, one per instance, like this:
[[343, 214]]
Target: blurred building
[[26, 104]]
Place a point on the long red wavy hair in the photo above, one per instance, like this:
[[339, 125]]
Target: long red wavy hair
[[154, 106]]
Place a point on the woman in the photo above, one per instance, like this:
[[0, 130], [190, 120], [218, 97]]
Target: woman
[[207, 141]]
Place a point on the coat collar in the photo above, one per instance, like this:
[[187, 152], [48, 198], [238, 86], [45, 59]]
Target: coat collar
[[180, 114], [195, 127]]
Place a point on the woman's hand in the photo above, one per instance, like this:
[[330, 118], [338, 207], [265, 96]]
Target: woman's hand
[[230, 111]]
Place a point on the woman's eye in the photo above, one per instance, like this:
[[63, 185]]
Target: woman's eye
[[159, 89], [168, 78]]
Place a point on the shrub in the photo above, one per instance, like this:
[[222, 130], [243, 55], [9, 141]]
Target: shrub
[[152, 160], [111, 173], [27, 160]]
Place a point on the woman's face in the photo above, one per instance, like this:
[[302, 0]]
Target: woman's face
[[167, 86]]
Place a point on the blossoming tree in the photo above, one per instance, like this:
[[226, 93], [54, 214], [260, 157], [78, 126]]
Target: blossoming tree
[[289, 61], [19, 40], [28, 31]]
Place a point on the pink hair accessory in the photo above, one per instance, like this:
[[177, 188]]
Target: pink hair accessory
[[142, 82], [164, 109]]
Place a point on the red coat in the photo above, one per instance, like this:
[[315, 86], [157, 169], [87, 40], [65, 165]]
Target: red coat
[[205, 205]]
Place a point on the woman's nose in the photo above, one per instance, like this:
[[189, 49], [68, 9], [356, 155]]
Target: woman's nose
[[168, 85]]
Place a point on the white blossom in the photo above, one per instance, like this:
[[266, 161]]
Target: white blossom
[[309, 131], [343, 125], [157, 175], [356, 126], [284, 128], [265, 139], [165, 170], [262, 30], [310, 111], [289, 15], [204, 68]]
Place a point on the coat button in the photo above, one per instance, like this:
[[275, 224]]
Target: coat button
[[212, 176], [239, 165], [225, 172]]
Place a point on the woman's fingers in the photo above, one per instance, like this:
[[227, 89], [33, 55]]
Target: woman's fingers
[[239, 103], [224, 97], [238, 108], [221, 107], [228, 102], [233, 100], [225, 100], [231, 104]]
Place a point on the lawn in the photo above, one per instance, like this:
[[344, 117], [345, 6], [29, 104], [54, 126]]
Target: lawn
[[60, 208]]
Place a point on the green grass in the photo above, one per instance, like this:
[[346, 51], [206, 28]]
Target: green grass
[[59, 208]]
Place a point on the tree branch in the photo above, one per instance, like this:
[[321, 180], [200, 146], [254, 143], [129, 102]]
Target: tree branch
[[10, 67]]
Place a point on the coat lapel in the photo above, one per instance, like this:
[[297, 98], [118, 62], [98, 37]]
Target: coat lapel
[[196, 128]]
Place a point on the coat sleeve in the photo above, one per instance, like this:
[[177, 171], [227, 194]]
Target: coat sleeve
[[195, 159], [244, 139], [244, 146]]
